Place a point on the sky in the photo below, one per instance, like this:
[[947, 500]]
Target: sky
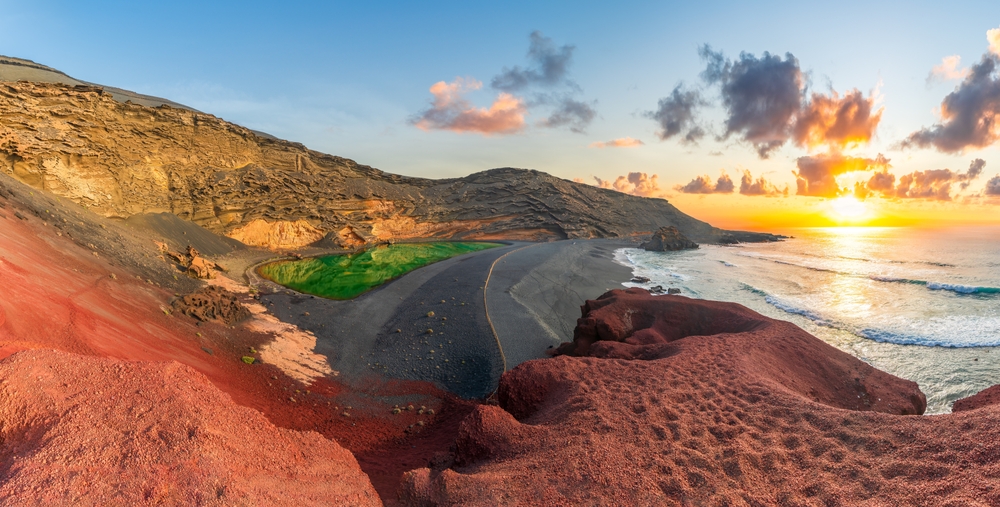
[[753, 115]]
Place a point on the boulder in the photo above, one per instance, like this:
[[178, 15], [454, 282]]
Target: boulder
[[668, 239]]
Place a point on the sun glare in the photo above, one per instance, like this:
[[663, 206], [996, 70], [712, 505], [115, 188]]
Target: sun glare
[[849, 209]]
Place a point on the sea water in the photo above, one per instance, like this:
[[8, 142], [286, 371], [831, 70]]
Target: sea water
[[922, 304]]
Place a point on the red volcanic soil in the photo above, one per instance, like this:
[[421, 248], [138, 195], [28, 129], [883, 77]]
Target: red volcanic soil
[[984, 398], [84, 430], [56, 294], [687, 402]]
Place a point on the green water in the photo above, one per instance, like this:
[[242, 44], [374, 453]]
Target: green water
[[348, 276]]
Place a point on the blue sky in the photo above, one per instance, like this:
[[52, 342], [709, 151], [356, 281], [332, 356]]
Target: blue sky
[[347, 78]]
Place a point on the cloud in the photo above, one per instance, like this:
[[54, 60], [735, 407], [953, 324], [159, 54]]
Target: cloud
[[882, 181], [571, 112], [548, 70], [761, 95], [577, 180], [450, 111], [760, 186], [975, 169], [637, 183], [817, 175], [970, 115], [993, 36], [838, 122], [550, 66], [676, 114], [933, 184], [993, 186], [936, 183], [948, 70], [766, 105], [621, 142], [704, 185]]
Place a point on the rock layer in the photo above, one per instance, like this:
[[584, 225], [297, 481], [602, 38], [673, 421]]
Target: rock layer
[[124, 159], [687, 402]]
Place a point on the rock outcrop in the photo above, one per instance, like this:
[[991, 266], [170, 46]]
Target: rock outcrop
[[122, 159], [212, 303], [83, 430], [668, 239], [686, 402]]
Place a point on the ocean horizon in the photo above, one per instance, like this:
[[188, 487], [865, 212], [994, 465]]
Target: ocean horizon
[[922, 304]]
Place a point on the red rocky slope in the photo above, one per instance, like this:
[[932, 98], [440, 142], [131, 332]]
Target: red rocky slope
[[688, 402]]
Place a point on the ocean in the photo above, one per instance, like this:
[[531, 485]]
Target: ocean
[[922, 304]]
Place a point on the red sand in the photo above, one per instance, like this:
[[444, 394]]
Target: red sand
[[58, 295], [84, 430], [708, 403], [984, 398]]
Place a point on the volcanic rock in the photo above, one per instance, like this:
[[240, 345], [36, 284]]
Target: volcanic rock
[[668, 239], [122, 159], [82, 430], [688, 402], [212, 303], [984, 398]]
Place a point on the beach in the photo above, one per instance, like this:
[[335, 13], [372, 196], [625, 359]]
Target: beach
[[533, 296]]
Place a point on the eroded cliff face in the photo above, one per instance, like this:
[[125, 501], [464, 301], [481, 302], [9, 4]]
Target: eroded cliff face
[[122, 159]]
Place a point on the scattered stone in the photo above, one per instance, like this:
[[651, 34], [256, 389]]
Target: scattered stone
[[640, 279], [673, 290], [248, 359]]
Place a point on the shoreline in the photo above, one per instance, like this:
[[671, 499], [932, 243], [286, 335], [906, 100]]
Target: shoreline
[[533, 295]]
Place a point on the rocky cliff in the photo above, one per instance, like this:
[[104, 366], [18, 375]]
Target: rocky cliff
[[122, 159]]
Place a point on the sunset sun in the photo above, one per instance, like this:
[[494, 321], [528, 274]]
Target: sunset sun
[[849, 209]]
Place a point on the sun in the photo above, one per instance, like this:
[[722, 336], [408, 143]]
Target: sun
[[849, 209]]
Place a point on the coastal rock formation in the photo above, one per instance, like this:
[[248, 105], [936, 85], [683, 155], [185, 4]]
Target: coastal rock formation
[[984, 398], [668, 239], [89, 431], [122, 159], [687, 402]]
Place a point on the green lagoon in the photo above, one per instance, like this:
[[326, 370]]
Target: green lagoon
[[348, 276]]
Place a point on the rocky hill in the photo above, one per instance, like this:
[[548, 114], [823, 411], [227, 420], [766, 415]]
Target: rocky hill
[[115, 154]]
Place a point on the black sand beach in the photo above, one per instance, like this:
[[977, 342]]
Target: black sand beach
[[533, 299]]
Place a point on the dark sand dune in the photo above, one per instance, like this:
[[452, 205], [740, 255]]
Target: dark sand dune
[[179, 234]]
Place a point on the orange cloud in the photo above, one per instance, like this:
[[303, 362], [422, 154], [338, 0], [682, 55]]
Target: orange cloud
[[933, 184], [993, 36], [949, 69], [450, 111], [637, 183], [817, 175], [621, 142], [837, 122]]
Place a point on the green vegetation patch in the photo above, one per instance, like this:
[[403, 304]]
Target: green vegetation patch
[[348, 276]]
